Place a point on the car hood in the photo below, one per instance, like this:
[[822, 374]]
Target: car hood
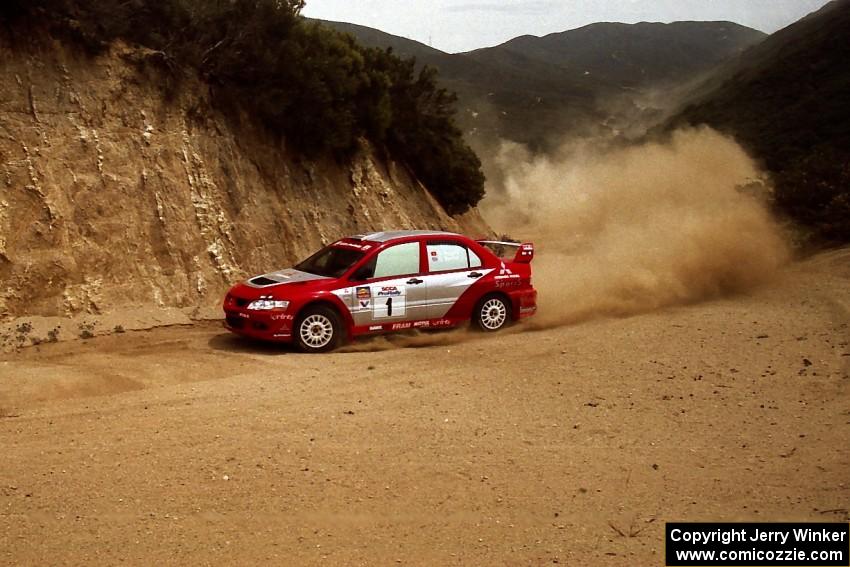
[[283, 277]]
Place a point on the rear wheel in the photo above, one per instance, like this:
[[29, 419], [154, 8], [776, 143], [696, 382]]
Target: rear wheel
[[318, 329], [492, 314]]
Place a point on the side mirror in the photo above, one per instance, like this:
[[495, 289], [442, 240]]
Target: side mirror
[[362, 274]]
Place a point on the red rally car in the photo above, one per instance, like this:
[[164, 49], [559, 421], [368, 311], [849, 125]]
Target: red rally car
[[384, 282]]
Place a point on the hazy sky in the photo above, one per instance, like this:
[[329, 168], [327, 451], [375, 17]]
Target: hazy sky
[[463, 25]]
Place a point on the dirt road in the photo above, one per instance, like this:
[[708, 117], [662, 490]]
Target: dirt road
[[571, 445]]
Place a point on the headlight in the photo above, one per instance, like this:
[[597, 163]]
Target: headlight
[[267, 305]]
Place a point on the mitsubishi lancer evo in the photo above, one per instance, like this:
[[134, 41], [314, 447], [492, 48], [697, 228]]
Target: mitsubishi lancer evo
[[386, 282]]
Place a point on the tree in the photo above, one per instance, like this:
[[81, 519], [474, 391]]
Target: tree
[[314, 86]]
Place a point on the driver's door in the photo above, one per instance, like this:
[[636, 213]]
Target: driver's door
[[392, 289]]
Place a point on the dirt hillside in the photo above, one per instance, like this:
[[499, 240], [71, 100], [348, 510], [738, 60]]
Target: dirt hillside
[[570, 445], [120, 193]]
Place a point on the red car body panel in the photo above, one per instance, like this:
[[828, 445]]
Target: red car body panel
[[510, 278]]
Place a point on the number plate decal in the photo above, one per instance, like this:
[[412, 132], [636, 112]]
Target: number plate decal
[[388, 302]]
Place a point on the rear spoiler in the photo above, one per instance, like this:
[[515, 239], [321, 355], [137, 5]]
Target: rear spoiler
[[524, 252]]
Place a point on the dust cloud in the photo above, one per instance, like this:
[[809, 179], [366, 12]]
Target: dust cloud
[[626, 230]]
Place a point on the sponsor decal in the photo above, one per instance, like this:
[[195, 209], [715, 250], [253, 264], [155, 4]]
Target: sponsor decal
[[400, 326], [283, 317], [527, 309], [364, 293], [365, 303], [442, 323], [376, 328], [389, 291], [421, 324], [388, 301], [351, 245], [509, 277], [505, 271], [245, 315]]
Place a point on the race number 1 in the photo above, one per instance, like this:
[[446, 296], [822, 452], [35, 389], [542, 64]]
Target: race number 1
[[389, 301]]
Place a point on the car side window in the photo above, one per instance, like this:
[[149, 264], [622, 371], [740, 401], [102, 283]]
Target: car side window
[[398, 260], [448, 256]]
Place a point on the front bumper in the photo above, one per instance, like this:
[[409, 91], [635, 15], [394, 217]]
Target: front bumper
[[267, 326]]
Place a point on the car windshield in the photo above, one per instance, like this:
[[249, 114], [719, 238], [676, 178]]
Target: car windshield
[[331, 262]]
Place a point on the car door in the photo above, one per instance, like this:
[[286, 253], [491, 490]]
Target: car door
[[452, 270], [392, 289]]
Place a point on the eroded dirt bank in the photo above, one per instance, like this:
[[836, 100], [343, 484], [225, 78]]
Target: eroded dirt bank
[[571, 444], [118, 196]]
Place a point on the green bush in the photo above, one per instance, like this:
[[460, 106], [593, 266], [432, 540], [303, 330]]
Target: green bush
[[315, 87], [815, 189]]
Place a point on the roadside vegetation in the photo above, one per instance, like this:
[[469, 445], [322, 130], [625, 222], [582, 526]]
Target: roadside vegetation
[[786, 101], [315, 87]]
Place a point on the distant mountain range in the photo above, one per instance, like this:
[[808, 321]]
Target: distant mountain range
[[532, 89], [783, 96], [632, 55], [786, 100]]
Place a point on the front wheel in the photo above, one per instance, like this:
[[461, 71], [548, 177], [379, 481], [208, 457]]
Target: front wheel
[[318, 329], [492, 314]]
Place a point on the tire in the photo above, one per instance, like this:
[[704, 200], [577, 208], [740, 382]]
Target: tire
[[318, 329], [493, 313]]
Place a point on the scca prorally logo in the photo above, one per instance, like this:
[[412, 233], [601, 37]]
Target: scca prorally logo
[[389, 291]]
